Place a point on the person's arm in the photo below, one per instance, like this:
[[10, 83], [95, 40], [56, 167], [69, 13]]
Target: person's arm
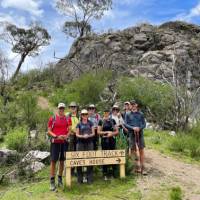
[[50, 132], [142, 122], [115, 131], [93, 132], [126, 123], [78, 133], [99, 129]]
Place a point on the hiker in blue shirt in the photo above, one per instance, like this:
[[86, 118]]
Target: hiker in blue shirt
[[135, 123]]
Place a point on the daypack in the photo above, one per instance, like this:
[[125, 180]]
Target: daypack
[[111, 121], [53, 124]]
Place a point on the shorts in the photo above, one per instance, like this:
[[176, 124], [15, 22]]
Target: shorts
[[132, 140], [57, 151]]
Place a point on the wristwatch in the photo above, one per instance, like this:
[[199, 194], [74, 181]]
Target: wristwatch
[[55, 137]]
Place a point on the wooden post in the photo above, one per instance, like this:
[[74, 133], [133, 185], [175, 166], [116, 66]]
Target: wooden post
[[68, 177], [122, 170]]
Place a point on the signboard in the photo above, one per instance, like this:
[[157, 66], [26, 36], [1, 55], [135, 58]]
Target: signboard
[[94, 158]]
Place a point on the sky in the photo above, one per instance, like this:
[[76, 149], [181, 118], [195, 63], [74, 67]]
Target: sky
[[124, 13]]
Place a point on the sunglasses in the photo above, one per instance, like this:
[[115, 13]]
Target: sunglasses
[[73, 107], [91, 108], [115, 109], [84, 114]]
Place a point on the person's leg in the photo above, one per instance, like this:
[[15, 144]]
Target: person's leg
[[61, 168], [112, 145], [142, 158], [52, 168], [62, 151], [79, 147], [54, 154], [104, 167], [90, 147]]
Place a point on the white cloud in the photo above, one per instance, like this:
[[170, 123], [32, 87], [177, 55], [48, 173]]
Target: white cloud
[[31, 6], [21, 21], [188, 16]]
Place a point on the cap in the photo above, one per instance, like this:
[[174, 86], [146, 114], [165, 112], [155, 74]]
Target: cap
[[106, 110], [84, 111], [134, 102], [115, 106], [61, 105], [91, 106], [73, 104], [127, 102]]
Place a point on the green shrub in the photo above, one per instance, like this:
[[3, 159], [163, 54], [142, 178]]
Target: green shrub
[[176, 193], [16, 139], [28, 104], [178, 143], [85, 90], [157, 97], [195, 131]]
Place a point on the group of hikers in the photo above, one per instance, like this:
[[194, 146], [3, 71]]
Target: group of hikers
[[85, 131]]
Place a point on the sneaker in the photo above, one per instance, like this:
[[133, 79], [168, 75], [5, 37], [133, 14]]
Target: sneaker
[[105, 178], [84, 180], [60, 183], [52, 185]]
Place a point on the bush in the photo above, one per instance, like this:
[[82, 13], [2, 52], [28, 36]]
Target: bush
[[85, 90], [187, 144], [176, 193], [17, 139], [28, 104], [178, 143], [157, 97]]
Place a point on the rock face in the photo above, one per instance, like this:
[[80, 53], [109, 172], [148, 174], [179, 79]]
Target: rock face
[[145, 50], [6, 155]]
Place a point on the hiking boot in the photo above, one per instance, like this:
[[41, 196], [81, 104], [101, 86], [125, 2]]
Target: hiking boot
[[85, 180], [143, 171], [60, 183], [52, 184], [105, 178]]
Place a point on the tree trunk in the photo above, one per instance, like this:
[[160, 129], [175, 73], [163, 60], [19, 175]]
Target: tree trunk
[[23, 56]]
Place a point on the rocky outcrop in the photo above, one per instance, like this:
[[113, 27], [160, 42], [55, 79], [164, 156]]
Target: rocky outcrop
[[7, 155], [146, 50]]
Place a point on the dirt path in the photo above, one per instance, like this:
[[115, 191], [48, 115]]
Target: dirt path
[[44, 104], [165, 172]]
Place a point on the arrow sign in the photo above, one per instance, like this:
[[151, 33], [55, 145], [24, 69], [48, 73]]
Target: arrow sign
[[118, 160]]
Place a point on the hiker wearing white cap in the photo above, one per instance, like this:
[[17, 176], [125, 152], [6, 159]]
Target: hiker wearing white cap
[[127, 108], [85, 133], [58, 129], [116, 115], [94, 117]]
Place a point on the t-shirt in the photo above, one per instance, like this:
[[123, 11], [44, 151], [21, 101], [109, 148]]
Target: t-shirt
[[118, 119], [59, 126], [107, 124], [85, 128], [75, 121], [95, 119], [135, 119]]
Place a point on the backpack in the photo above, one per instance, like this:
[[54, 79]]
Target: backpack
[[111, 121], [53, 124]]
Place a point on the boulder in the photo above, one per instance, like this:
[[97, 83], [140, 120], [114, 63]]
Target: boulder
[[6, 154], [36, 156], [34, 167]]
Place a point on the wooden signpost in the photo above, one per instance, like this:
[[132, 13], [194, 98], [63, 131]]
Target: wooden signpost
[[92, 158]]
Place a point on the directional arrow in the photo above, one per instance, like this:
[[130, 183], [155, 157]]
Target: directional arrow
[[118, 160]]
